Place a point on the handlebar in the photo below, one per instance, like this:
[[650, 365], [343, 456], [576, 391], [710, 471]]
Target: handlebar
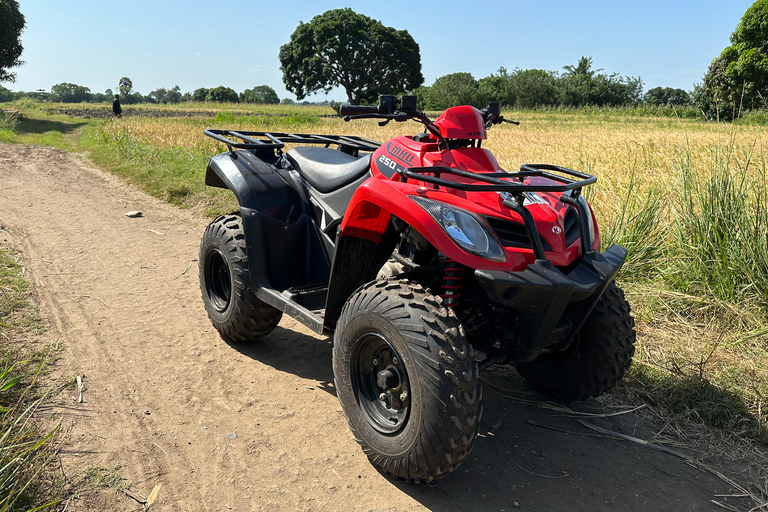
[[392, 108], [356, 110]]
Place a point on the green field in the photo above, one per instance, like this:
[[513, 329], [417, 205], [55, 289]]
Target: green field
[[686, 197]]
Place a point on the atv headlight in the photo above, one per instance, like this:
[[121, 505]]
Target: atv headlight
[[466, 229]]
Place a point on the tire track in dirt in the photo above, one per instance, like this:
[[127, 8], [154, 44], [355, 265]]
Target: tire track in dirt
[[163, 391]]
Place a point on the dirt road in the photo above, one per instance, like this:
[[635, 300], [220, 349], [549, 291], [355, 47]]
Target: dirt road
[[224, 427]]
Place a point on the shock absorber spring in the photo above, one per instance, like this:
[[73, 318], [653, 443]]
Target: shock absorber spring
[[452, 278]]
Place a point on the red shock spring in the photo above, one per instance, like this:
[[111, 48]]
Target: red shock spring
[[454, 275]]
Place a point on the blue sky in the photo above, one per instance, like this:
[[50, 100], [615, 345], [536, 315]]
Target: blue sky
[[201, 43]]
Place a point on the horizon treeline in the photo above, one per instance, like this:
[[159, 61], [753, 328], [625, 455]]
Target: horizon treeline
[[576, 86], [73, 93]]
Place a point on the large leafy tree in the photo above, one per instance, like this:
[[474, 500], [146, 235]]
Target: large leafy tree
[[11, 25], [739, 75], [341, 48]]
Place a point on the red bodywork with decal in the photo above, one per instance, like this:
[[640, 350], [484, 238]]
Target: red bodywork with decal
[[368, 214]]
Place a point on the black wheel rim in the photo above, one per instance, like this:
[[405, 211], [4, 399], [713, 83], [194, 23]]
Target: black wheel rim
[[374, 359], [218, 283]]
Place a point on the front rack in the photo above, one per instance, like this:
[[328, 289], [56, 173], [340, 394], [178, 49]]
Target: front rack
[[573, 181], [495, 183], [277, 141]]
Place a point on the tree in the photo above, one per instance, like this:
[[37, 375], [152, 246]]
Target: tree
[[5, 95], [69, 93], [341, 48], [200, 94], [581, 85], [582, 68], [174, 95], [11, 25], [125, 86], [100, 97], [163, 95], [261, 94], [222, 94], [667, 96], [450, 90], [739, 75], [532, 88], [496, 88]]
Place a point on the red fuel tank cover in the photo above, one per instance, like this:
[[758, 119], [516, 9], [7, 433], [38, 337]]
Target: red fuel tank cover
[[462, 122]]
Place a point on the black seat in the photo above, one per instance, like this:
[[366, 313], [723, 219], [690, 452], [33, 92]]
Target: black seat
[[327, 169]]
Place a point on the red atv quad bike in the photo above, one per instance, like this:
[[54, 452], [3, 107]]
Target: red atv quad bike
[[428, 262]]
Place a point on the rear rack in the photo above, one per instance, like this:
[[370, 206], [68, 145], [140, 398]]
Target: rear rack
[[277, 141], [493, 182]]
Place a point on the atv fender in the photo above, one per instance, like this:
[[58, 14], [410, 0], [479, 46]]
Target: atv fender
[[283, 247], [366, 240], [373, 205]]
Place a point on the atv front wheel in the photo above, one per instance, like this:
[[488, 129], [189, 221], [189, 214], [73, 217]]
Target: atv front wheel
[[598, 357], [407, 380], [228, 294]]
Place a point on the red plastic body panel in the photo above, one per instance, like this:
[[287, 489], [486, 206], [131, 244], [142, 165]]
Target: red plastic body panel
[[383, 195]]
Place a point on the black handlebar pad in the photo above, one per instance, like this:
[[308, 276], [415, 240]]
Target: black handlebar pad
[[354, 110]]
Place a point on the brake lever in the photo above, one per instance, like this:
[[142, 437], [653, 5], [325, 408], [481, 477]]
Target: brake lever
[[362, 116]]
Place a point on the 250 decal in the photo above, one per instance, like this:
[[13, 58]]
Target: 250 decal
[[383, 161]]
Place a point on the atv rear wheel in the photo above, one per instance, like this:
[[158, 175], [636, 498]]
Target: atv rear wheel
[[228, 293], [407, 380], [598, 357]]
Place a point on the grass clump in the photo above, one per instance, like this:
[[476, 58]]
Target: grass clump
[[25, 451], [9, 118], [106, 478]]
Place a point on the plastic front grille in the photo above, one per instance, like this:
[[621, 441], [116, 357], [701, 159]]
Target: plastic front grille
[[512, 234]]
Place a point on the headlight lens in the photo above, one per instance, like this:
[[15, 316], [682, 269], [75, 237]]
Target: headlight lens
[[466, 229]]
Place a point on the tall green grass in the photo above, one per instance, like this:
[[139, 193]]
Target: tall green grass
[[702, 234], [25, 451], [638, 227], [720, 236]]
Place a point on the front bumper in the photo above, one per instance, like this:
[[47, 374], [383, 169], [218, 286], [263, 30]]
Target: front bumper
[[551, 306]]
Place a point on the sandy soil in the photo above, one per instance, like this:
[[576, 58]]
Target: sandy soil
[[223, 427]]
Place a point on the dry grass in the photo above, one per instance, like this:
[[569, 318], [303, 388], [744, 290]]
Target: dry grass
[[614, 149]]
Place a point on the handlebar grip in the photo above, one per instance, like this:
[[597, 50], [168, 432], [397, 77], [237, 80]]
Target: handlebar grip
[[354, 110]]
